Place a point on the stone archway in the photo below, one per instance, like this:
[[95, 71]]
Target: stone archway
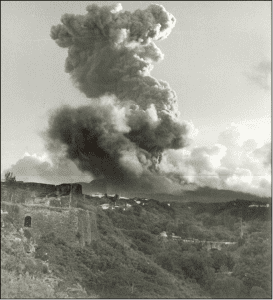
[[27, 221]]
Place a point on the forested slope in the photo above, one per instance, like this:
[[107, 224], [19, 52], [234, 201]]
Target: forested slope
[[131, 260]]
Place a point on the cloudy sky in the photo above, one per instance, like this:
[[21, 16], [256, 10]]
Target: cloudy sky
[[216, 59]]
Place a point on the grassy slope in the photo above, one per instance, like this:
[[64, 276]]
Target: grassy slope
[[23, 276], [120, 264]]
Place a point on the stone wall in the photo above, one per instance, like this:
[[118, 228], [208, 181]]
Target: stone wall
[[15, 195], [73, 225], [39, 193], [84, 227], [93, 224], [63, 222], [65, 188], [15, 212], [87, 226], [51, 209]]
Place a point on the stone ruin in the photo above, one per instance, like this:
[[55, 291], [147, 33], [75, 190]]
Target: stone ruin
[[41, 209]]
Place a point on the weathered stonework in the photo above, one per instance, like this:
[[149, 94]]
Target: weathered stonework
[[38, 193], [40, 213]]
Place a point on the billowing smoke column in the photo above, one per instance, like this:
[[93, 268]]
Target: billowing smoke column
[[132, 117]]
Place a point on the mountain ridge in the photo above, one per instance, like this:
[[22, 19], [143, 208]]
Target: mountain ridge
[[201, 194]]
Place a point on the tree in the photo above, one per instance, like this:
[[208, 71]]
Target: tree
[[253, 266], [9, 178], [221, 258], [121, 281], [197, 265], [226, 287]]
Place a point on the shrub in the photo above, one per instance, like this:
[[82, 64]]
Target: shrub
[[226, 287], [27, 234]]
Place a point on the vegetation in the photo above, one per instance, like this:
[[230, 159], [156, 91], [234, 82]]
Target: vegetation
[[131, 260], [23, 276], [9, 177]]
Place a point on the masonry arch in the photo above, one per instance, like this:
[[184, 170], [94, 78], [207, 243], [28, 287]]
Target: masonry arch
[[27, 222]]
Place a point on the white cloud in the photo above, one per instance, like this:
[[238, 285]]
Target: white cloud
[[40, 168], [42, 158], [236, 163]]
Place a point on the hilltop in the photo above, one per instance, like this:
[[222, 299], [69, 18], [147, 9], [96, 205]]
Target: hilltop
[[201, 194]]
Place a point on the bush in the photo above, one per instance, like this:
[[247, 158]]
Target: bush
[[258, 293], [9, 178], [226, 287], [144, 241], [24, 286], [48, 238]]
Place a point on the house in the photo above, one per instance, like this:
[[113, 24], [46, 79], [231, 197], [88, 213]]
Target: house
[[163, 234], [105, 206], [98, 195]]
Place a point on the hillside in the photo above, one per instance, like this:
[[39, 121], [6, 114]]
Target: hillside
[[132, 260], [147, 248], [25, 276]]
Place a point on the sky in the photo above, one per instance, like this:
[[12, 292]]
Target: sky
[[217, 59]]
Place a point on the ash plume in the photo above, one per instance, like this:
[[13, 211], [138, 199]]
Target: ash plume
[[132, 117], [130, 133]]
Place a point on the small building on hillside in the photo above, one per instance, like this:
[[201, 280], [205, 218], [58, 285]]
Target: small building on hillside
[[163, 234]]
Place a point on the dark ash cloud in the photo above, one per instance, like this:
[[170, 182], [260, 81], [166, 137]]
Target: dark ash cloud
[[132, 117]]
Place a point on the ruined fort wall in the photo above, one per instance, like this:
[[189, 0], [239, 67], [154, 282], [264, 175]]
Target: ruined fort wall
[[87, 231], [44, 220], [51, 209], [73, 225], [84, 227], [14, 194], [63, 222], [93, 225], [15, 212], [66, 195]]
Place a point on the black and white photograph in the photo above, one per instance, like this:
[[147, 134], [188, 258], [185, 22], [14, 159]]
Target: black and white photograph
[[136, 150]]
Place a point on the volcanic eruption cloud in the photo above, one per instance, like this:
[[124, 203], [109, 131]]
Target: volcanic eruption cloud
[[132, 117], [130, 133]]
